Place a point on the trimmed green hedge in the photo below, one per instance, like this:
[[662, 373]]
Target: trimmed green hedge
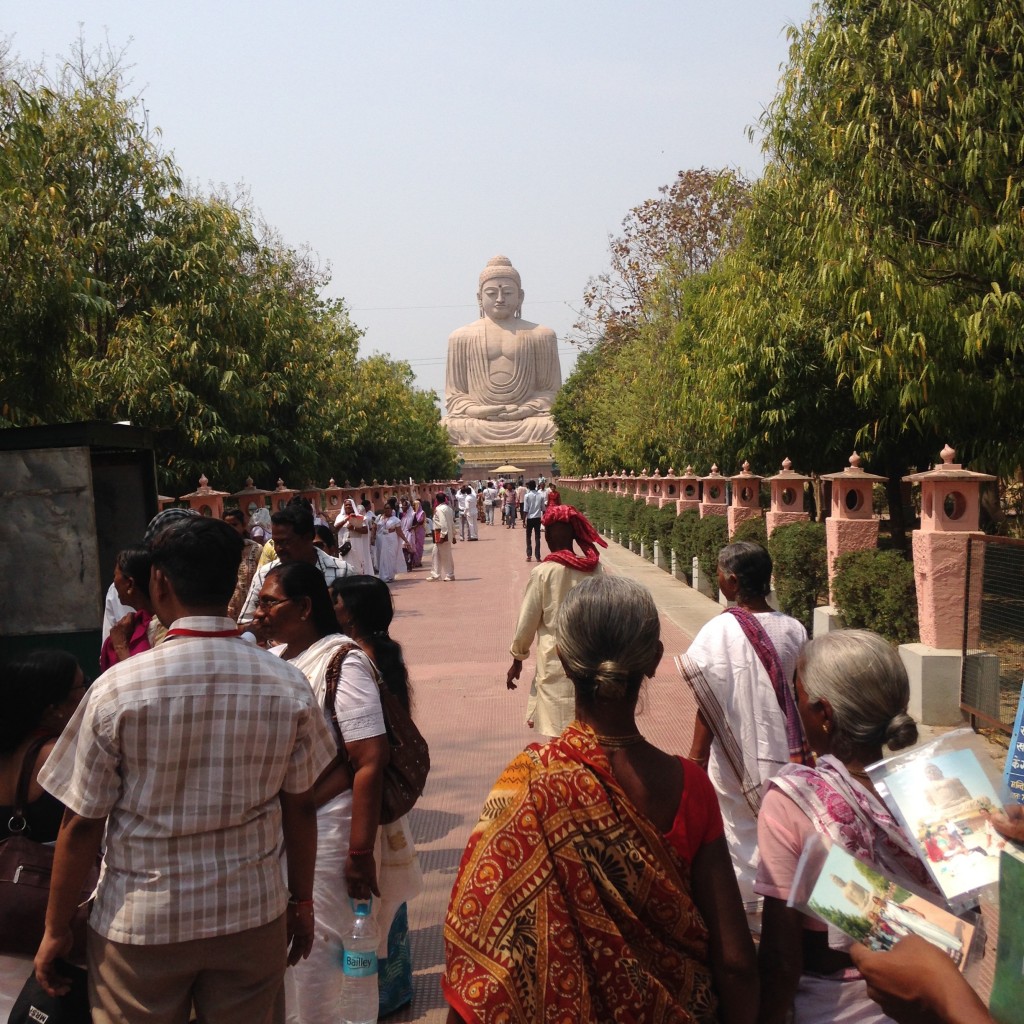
[[800, 563], [875, 590]]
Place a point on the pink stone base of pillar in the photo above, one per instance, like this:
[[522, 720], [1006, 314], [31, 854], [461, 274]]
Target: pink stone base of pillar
[[663, 502], [687, 505], [843, 535], [741, 515], [707, 508], [653, 499], [776, 519], [940, 565]]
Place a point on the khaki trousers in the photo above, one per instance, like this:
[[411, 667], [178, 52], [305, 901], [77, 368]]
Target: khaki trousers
[[231, 979]]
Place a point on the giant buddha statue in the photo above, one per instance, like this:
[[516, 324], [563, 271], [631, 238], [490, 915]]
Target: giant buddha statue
[[503, 371]]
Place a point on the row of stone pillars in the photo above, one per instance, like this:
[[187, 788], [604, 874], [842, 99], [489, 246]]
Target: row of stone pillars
[[950, 515], [208, 501]]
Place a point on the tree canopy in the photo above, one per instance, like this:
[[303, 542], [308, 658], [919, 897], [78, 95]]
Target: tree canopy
[[127, 295], [869, 291]]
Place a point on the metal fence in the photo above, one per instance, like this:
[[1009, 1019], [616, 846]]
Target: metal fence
[[992, 670]]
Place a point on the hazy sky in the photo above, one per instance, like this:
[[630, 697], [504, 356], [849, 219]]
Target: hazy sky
[[407, 143]]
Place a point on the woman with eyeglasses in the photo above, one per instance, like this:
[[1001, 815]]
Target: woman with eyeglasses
[[294, 608], [39, 693]]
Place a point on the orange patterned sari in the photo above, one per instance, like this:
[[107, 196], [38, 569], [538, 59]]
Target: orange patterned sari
[[569, 906]]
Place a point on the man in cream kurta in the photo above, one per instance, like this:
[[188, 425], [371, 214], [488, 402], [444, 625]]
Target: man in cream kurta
[[552, 704]]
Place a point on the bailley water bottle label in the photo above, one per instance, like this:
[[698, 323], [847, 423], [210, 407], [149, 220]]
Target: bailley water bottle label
[[358, 964]]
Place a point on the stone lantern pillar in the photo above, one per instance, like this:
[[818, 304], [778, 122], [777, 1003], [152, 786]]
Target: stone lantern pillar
[[205, 500], [655, 489], [669, 489], [950, 512], [852, 525], [281, 495], [315, 497], [250, 497], [689, 492], [746, 498], [712, 501], [787, 501], [164, 501], [333, 496]]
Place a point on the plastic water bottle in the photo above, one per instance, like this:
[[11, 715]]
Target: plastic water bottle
[[359, 999]]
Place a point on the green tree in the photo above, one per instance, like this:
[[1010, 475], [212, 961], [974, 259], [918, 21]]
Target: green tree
[[125, 296], [890, 215]]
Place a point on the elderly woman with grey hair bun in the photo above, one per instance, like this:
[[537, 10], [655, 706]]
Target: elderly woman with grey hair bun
[[852, 695], [597, 883]]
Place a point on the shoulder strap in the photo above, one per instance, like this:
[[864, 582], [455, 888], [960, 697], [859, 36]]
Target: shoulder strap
[[21, 789], [333, 677], [757, 636]]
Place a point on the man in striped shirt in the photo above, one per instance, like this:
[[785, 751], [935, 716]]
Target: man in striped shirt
[[196, 759]]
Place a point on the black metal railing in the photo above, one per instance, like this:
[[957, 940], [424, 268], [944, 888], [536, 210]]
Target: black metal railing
[[992, 671]]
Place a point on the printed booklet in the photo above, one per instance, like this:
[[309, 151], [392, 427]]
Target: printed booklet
[[862, 903], [943, 794]]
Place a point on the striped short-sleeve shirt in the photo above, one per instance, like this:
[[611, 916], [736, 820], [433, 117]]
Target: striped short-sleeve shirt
[[185, 749]]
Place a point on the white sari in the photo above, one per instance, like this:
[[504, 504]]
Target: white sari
[[736, 695]]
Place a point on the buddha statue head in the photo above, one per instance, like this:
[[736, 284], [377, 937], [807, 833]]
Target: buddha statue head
[[500, 294]]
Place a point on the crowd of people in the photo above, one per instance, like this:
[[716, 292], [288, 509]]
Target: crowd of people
[[606, 878]]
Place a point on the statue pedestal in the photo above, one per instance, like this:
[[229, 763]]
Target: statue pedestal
[[479, 461]]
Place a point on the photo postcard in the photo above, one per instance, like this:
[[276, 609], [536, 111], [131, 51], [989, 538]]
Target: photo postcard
[[862, 903]]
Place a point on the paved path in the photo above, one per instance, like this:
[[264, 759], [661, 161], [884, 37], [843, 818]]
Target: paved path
[[456, 637]]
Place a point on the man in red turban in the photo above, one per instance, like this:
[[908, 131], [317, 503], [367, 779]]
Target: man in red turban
[[552, 703]]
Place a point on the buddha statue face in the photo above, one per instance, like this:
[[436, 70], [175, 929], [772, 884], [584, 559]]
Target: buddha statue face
[[500, 298]]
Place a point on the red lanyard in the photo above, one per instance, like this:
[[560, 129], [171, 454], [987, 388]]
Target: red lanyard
[[201, 632]]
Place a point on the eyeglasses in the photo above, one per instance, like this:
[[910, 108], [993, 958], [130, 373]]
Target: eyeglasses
[[268, 604]]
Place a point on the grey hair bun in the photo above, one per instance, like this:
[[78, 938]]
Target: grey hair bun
[[901, 732], [610, 680]]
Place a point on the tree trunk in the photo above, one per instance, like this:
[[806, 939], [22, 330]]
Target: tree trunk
[[897, 516]]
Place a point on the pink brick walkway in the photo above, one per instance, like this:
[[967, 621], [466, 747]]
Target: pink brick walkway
[[456, 637]]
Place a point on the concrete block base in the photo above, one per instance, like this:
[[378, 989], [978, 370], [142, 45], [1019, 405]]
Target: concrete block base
[[826, 619], [700, 581], [934, 674]]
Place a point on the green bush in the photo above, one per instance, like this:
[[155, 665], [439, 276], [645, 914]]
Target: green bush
[[662, 523], [684, 542], [755, 530], [875, 590], [800, 563], [710, 536], [636, 521]]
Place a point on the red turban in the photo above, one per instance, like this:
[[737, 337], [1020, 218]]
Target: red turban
[[583, 533]]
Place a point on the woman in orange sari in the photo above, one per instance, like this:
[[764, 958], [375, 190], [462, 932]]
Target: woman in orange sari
[[597, 884]]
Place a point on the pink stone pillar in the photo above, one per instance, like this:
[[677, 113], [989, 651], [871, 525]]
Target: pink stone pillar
[[281, 495], [669, 489], [689, 492], [332, 501], [205, 500], [655, 490], [315, 497], [787, 501], [950, 510], [712, 501], [250, 497], [746, 498], [852, 525]]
